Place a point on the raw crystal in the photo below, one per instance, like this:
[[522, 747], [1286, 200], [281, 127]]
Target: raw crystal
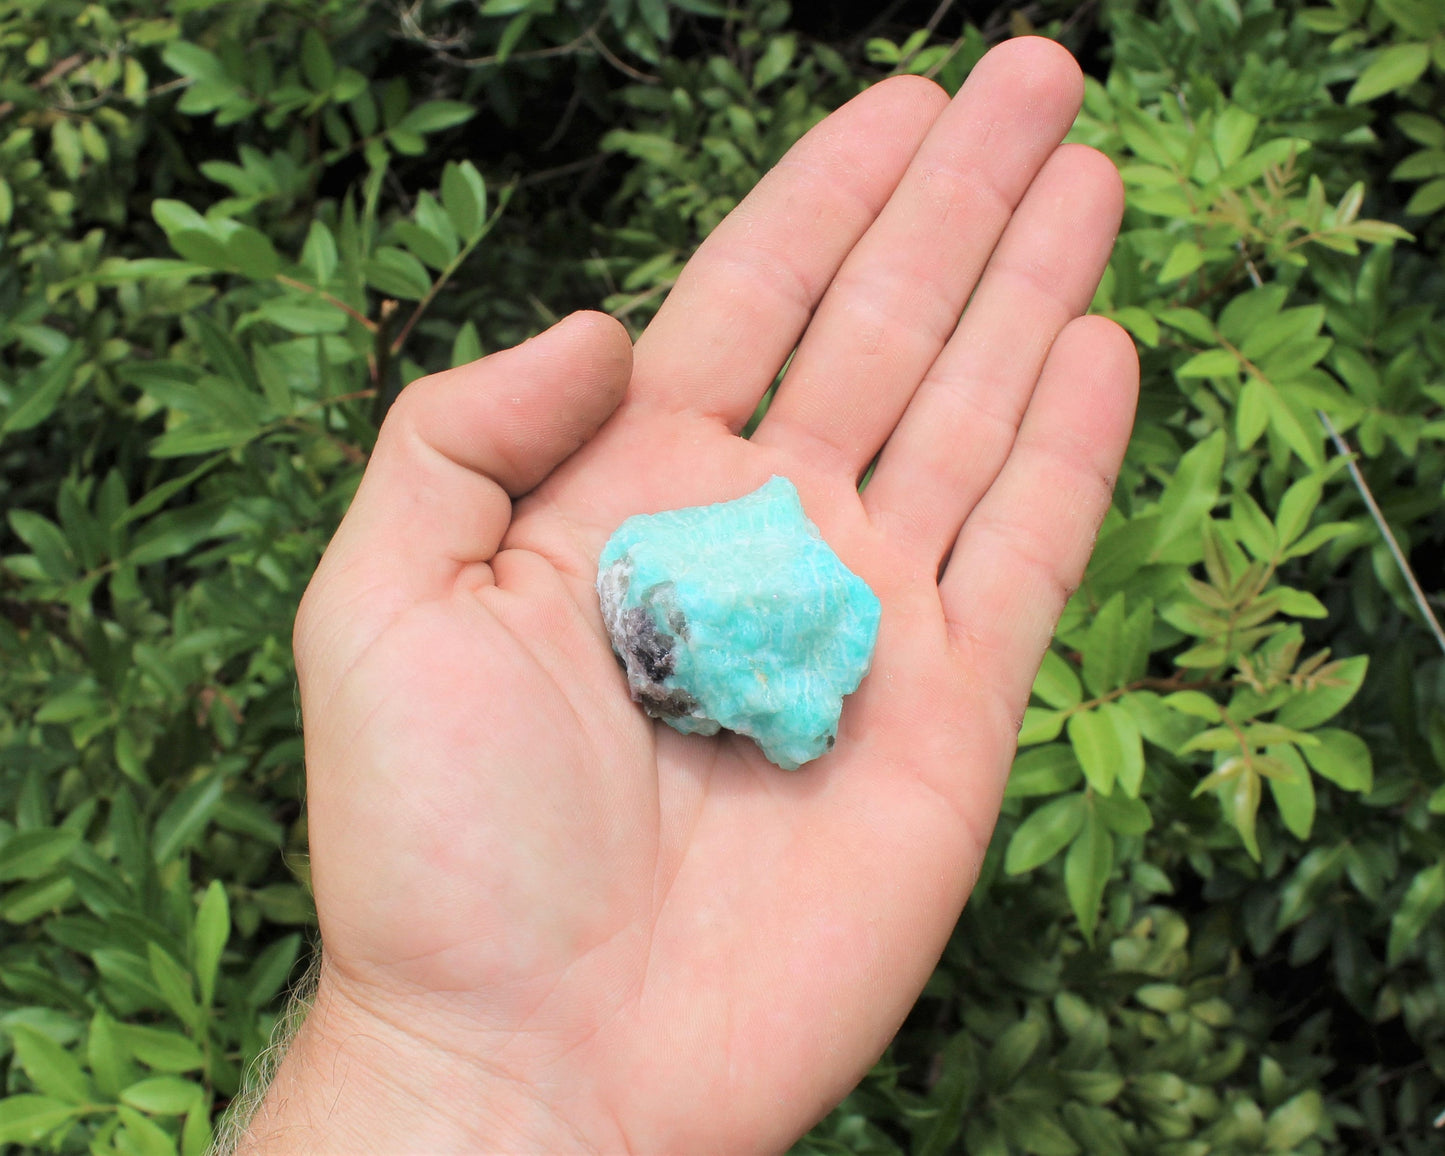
[[739, 615]]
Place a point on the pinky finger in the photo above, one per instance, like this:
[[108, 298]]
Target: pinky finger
[[1024, 547]]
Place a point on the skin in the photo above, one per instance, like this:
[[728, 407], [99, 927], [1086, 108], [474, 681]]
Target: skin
[[550, 923]]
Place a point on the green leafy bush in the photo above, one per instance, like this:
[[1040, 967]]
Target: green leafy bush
[[1210, 921]]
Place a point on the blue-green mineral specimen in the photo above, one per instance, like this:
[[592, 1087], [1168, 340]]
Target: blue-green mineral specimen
[[739, 615]]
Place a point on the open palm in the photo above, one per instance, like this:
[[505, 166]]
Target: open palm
[[597, 932]]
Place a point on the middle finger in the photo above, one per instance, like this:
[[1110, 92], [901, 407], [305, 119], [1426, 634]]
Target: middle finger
[[898, 295]]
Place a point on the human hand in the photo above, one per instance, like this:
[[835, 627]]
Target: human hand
[[551, 923]]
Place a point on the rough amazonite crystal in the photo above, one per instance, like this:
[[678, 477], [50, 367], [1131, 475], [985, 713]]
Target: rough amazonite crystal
[[739, 615]]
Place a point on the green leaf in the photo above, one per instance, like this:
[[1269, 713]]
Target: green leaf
[[1233, 130], [316, 64], [1428, 199], [193, 61], [163, 1095], [52, 1069], [213, 928], [464, 197], [105, 1055], [1240, 799], [250, 251], [1044, 834], [775, 60], [1423, 898], [1056, 683], [1296, 1120], [165, 1051], [1333, 691], [434, 116], [1123, 815], [1343, 758], [397, 273], [36, 898], [319, 254], [1012, 1051], [1394, 68], [142, 1137], [186, 816], [1103, 741], [1183, 260], [1210, 363], [39, 392], [1187, 500], [174, 984], [48, 543], [1294, 796], [27, 1119], [1086, 871], [1045, 770], [31, 854], [466, 346]]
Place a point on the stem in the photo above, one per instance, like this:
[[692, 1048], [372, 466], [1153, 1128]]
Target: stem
[[292, 283], [1343, 449]]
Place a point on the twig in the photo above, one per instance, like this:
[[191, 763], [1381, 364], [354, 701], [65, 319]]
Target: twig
[[57, 70], [354, 314], [1342, 448], [622, 66]]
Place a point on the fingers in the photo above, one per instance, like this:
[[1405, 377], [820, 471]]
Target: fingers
[[456, 446], [961, 423], [897, 299], [744, 299], [1024, 547]]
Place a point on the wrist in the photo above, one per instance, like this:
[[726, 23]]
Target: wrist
[[361, 1078]]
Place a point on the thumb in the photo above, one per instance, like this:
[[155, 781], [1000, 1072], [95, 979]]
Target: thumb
[[454, 450]]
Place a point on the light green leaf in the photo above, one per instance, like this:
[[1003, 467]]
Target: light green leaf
[[1294, 796], [434, 116], [1210, 363], [1296, 1120], [174, 983], [319, 254], [163, 1095], [1098, 738], [1056, 683], [775, 60], [213, 928], [1045, 833], [165, 1051], [397, 273], [27, 1119], [1045, 770], [1395, 68], [52, 1069], [1343, 758], [464, 197], [105, 1055]]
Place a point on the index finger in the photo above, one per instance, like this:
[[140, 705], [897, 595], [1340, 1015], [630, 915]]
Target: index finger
[[744, 299]]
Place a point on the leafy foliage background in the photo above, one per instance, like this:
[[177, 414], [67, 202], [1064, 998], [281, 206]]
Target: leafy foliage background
[[1210, 922]]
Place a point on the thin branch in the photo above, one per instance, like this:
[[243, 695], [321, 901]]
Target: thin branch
[[355, 315], [1342, 448], [622, 66]]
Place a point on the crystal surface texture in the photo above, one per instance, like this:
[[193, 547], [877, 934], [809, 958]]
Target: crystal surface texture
[[739, 615]]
